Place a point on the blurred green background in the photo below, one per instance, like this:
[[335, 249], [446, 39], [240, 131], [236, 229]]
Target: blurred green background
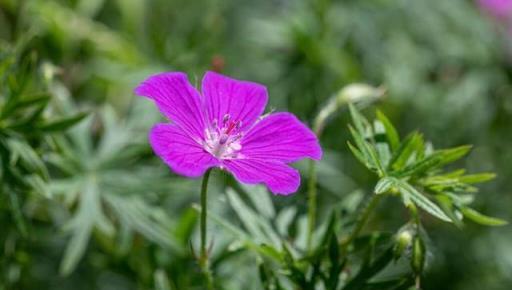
[[446, 66]]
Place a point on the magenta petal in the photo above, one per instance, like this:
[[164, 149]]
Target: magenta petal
[[280, 137], [177, 99], [278, 177], [241, 100], [184, 155]]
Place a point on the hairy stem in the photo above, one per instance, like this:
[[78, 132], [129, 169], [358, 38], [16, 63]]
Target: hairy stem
[[203, 258]]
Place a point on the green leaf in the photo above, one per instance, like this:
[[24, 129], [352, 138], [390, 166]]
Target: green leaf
[[391, 133], [421, 166], [419, 199], [161, 280], [22, 151], [481, 218], [62, 124], [359, 121], [368, 151], [384, 185], [454, 154], [19, 103], [368, 271], [81, 227], [137, 215], [359, 155], [260, 198], [405, 150], [477, 178], [260, 228]]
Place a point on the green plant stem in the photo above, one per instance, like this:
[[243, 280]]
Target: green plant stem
[[361, 221], [317, 129], [311, 202], [334, 103], [203, 258]]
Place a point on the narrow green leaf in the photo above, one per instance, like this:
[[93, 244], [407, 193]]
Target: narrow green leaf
[[369, 271], [421, 166], [260, 198], [454, 154], [359, 155], [384, 185], [161, 280], [391, 133], [359, 121], [76, 247], [404, 151], [477, 178], [24, 152], [481, 218], [368, 151], [62, 124], [260, 228], [20, 103], [422, 201]]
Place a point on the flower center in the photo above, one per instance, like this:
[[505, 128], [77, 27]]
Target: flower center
[[223, 140]]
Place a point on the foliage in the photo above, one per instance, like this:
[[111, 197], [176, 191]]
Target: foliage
[[85, 205]]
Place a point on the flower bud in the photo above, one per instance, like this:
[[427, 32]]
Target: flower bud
[[418, 255], [358, 92], [403, 241], [352, 93]]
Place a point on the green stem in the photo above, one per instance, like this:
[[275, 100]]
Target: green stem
[[317, 129], [203, 258], [361, 221], [311, 203]]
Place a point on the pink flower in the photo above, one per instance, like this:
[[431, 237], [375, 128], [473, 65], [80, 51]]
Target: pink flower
[[221, 127], [498, 8]]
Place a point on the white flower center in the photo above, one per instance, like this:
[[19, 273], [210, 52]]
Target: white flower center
[[223, 140]]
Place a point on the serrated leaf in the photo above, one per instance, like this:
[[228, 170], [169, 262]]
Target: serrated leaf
[[481, 218]]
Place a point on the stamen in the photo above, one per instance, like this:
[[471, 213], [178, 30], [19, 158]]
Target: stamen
[[225, 118], [231, 126], [223, 140]]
